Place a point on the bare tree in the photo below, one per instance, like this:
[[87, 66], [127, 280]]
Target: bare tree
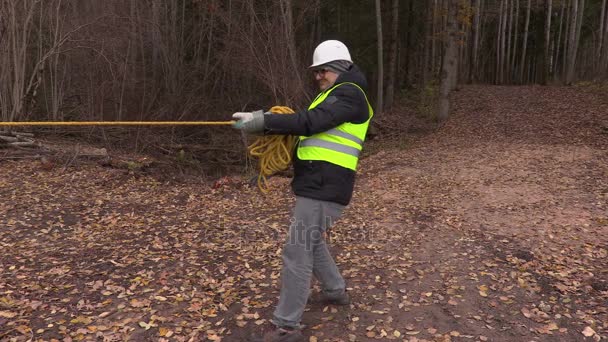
[[15, 67], [25, 71]]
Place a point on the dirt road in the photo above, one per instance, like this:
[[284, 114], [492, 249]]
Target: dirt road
[[493, 228]]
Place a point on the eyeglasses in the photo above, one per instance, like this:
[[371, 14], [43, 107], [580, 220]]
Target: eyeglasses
[[320, 72]]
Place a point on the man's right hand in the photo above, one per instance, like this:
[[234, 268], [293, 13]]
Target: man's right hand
[[250, 122]]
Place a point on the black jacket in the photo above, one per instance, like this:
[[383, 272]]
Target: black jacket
[[319, 179]]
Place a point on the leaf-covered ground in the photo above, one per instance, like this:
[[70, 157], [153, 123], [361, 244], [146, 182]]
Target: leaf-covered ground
[[493, 228]]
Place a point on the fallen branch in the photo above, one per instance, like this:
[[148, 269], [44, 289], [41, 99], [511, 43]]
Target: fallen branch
[[21, 134], [34, 157], [24, 144], [196, 147], [15, 139], [8, 139]]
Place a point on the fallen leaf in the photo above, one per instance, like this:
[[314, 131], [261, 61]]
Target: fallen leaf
[[145, 325], [24, 329], [81, 319], [483, 290], [7, 314], [588, 331]]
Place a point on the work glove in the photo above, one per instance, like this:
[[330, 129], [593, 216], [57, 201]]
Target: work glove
[[250, 122]]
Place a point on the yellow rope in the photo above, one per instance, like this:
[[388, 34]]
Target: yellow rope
[[115, 123], [273, 151]]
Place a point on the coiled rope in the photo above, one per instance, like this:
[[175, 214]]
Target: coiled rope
[[273, 151]]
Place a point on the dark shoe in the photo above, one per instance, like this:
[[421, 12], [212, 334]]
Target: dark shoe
[[321, 298], [280, 335]]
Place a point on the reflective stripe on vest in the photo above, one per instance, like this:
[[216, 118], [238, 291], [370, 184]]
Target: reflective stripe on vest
[[340, 145]]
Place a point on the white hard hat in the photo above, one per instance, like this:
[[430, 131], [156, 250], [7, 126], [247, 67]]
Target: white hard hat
[[328, 51]]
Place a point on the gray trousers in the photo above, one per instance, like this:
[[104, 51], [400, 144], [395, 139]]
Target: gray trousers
[[305, 253]]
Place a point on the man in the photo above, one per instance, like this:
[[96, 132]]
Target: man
[[331, 132]]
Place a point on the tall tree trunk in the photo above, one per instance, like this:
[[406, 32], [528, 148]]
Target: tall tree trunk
[[499, 44], [559, 41], [525, 44], [572, 48], [509, 34], [462, 47], [515, 41], [434, 39], [604, 67], [601, 35], [547, 56], [503, 38], [392, 62], [286, 7], [513, 59], [429, 50], [413, 61], [566, 53], [579, 25], [475, 55], [380, 90], [449, 61]]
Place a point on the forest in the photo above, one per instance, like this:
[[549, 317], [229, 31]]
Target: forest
[[479, 207], [195, 59]]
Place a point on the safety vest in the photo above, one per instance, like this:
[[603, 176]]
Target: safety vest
[[340, 145]]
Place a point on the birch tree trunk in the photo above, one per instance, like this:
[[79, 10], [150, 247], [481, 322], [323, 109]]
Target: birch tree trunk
[[525, 44], [547, 55], [380, 95], [392, 64], [449, 62]]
